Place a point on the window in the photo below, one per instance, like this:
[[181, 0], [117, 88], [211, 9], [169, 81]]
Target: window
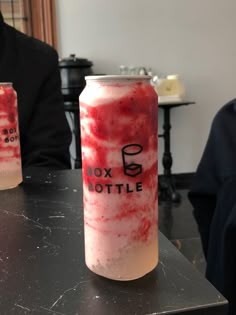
[[36, 18], [13, 12]]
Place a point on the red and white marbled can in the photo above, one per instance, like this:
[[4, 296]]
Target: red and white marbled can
[[10, 154], [119, 156]]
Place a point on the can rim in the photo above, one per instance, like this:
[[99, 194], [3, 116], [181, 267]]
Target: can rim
[[118, 77], [5, 83]]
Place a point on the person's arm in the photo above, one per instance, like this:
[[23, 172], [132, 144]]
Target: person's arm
[[217, 163], [48, 138], [204, 190]]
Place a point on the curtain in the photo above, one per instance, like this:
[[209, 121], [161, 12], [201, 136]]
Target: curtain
[[36, 18]]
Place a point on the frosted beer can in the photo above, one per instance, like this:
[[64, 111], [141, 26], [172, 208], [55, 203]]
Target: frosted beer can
[[10, 155], [118, 117]]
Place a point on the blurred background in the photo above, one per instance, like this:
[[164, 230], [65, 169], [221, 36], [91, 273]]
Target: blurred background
[[192, 38]]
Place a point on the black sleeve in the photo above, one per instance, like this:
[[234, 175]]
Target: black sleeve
[[204, 189], [49, 136], [216, 165]]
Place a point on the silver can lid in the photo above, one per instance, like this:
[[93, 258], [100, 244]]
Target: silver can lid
[[118, 77], [6, 83]]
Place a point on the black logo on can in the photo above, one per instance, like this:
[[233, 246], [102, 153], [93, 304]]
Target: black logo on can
[[131, 168]]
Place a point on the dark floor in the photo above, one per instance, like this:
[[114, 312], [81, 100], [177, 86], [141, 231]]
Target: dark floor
[[176, 222]]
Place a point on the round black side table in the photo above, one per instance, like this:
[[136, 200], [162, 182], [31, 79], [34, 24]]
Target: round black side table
[[167, 189]]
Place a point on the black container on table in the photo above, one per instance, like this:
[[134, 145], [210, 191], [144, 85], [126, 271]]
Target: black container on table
[[73, 72]]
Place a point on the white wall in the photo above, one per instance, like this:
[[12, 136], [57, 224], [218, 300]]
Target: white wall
[[193, 38]]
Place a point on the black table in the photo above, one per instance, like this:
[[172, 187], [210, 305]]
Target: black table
[[167, 189], [43, 269]]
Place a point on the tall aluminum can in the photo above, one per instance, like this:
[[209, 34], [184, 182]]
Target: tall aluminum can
[[10, 154], [118, 116]]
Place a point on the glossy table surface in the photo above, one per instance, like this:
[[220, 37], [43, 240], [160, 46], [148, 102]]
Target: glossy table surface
[[42, 268]]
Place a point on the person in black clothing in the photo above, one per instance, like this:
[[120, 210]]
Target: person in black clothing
[[32, 67], [213, 196]]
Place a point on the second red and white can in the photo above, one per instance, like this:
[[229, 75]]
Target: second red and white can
[[10, 154]]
